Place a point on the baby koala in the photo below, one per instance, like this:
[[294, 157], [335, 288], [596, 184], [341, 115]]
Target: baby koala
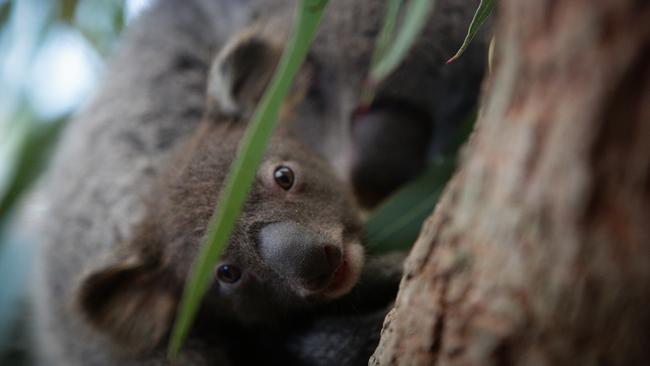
[[296, 246]]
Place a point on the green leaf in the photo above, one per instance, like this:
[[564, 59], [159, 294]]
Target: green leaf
[[5, 10], [414, 21], [396, 224], [67, 9], [244, 168], [32, 155], [484, 10], [387, 33]]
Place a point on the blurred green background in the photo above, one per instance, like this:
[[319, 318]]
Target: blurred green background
[[52, 54]]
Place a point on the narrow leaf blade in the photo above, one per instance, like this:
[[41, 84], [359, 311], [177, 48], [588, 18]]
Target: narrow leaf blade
[[484, 10], [414, 21], [387, 33]]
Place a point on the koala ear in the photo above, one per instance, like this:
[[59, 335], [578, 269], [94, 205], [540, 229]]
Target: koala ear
[[132, 302], [240, 73]]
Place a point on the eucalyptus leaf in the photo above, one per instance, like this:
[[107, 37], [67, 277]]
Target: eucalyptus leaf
[[396, 224], [387, 33], [67, 9], [32, 155], [484, 10], [414, 20], [5, 10]]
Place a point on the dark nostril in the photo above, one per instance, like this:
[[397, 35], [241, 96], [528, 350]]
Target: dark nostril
[[333, 255]]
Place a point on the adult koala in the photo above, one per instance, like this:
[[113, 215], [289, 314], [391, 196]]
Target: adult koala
[[94, 284]]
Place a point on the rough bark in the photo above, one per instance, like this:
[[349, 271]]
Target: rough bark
[[539, 251]]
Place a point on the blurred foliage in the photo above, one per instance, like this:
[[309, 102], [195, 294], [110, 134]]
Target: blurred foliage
[[100, 32], [27, 135], [4, 12], [396, 224], [394, 42], [30, 158]]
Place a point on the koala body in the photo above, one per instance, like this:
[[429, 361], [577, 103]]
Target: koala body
[[138, 172]]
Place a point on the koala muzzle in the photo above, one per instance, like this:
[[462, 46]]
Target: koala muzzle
[[299, 254]]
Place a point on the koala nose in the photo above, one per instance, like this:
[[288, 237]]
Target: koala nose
[[300, 254]]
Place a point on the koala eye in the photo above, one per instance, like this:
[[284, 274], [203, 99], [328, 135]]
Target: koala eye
[[284, 177], [228, 273]]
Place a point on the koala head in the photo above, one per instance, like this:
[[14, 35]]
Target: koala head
[[296, 244]]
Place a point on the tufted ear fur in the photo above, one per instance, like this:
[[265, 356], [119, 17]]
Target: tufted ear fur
[[241, 72], [131, 301], [243, 69]]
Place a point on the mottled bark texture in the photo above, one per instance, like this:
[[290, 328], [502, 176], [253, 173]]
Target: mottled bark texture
[[539, 251]]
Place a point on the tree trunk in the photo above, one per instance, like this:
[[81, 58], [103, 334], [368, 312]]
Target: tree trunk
[[539, 251]]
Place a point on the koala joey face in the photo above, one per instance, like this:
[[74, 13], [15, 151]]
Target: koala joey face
[[296, 244]]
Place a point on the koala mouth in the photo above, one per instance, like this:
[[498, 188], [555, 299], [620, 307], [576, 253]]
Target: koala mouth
[[347, 274]]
